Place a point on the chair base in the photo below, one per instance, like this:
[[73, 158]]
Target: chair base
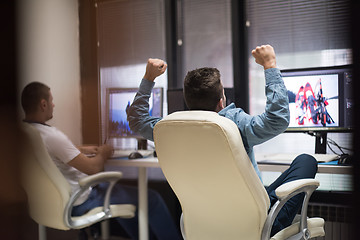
[[105, 231]]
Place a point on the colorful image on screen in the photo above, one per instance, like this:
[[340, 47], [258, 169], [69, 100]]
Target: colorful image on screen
[[313, 100], [119, 100]]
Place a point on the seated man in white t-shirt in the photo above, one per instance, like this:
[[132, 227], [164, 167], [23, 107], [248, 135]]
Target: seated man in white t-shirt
[[37, 102]]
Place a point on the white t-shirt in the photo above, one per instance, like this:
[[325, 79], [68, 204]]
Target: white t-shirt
[[62, 151]]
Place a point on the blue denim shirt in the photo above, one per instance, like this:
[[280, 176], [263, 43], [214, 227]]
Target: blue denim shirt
[[253, 129]]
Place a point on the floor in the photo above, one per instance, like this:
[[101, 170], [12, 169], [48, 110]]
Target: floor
[[30, 232]]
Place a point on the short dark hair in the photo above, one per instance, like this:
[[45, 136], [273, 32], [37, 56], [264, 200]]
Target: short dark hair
[[32, 94], [203, 89]]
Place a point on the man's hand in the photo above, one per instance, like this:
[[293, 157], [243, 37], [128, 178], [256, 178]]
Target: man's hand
[[87, 150], [154, 68], [265, 56], [106, 151], [95, 164]]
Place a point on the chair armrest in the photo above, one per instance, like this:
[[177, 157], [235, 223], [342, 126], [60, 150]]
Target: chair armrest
[[85, 183], [315, 226], [287, 188], [284, 193], [94, 179]]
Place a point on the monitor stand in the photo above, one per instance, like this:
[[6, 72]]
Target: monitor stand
[[320, 142], [142, 144]]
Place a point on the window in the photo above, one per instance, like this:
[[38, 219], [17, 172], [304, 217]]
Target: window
[[129, 32], [303, 33], [206, 41]]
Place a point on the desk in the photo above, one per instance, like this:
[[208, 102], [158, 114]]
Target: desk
[[142, 165], [322, 168]]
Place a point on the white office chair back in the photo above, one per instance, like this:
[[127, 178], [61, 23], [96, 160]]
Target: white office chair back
[[48, 192], [204, 160]]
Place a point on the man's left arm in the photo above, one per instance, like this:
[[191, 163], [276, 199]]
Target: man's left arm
[[275, 119]]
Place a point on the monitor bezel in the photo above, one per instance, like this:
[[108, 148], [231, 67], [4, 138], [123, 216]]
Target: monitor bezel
[[319, 71]]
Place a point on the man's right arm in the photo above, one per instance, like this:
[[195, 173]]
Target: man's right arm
[[138, 113], [92, 165], [61, 148]]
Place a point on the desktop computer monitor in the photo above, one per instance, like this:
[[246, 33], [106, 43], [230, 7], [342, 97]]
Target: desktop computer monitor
[[176, 101], [320, 99], [118, 100]]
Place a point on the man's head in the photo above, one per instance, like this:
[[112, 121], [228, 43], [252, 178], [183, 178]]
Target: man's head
[[203, 90], [37, 101]]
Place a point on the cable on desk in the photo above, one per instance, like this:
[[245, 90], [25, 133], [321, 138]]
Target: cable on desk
[[331, 142]]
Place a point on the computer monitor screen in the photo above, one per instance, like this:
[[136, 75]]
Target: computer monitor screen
[[118, 99], [320, 99], [176, 101]]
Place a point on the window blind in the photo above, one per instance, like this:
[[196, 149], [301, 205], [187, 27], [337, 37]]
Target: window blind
[[299, 25]]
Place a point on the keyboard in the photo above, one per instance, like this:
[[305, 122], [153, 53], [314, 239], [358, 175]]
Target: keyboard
[[125, 153], [287, 158]]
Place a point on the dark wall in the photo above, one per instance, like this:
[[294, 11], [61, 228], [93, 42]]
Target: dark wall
[[90, 114], [12, 197], [355, 9]]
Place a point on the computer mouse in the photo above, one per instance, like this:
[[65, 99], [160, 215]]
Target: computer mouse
[[135, 155]]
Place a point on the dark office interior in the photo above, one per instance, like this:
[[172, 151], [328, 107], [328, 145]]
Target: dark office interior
[[16, 224]]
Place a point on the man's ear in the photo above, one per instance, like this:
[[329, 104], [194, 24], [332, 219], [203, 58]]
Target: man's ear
[[220, 105], [43, 104]]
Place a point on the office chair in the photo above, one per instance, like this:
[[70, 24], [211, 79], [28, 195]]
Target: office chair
[[203, 158], [49, 193]]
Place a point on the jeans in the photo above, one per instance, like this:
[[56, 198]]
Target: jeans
[[303, 166], [161, 223]]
